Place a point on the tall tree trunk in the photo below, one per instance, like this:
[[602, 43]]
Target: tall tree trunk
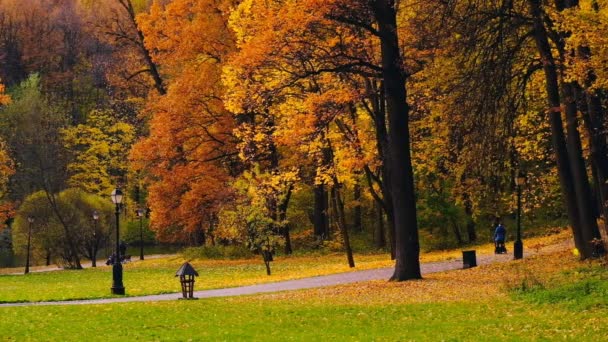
[[379, 239], [554, 114], [407, 246], [382, 145], [599, 151], [579, 172], [341, 221]]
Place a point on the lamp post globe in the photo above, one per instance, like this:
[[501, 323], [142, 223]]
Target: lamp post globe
[[117, 286], [518, 246]]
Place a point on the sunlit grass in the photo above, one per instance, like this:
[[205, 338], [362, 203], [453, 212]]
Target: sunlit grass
[[487, 303], [156, 276]]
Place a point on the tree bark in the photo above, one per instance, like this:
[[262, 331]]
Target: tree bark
[[382, 145], [341, 221], [379, 239], [554, 115], [407, 246], [320, 211], [283, 219], [594, 118], [579, 173]]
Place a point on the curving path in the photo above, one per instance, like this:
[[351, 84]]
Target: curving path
[[288, 285]]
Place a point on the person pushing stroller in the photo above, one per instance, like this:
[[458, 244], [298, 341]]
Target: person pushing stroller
[[499, 239]]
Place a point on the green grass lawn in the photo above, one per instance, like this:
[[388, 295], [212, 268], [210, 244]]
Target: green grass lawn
[[157, 276], [507, 318], [546, 297]]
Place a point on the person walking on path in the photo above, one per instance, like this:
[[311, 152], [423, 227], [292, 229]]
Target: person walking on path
[[499, 239]]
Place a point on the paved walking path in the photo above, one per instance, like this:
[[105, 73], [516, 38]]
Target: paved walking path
[[298, 284]]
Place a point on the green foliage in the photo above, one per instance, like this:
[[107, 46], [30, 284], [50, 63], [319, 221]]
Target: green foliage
[[130, 233], [30, 125], [49, 234]]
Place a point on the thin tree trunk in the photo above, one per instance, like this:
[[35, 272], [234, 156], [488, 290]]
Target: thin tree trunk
[[379, 239], [468, 209], [407, 246], [283, 219], [267, 257], [341, 221], [456, 231]]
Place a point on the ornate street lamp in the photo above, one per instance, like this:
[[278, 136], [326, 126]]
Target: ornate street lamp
[[140, 214], [117, 286], [30, 219], [518, 247], [95, 245]]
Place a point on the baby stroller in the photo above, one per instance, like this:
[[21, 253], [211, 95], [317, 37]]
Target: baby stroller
[[499, 247]]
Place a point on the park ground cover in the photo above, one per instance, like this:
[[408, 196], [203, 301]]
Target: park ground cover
[[545, 297], [156, 276]]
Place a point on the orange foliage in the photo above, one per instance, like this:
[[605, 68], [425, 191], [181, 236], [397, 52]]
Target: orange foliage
[[4, 99], [187, 154]]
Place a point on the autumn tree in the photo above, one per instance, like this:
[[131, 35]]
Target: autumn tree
[[342, 38], [189, 154], [48, 235], [32, 130], [100, 146]]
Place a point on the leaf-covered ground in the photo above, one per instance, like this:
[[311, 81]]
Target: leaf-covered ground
[[546, 297], [156, 276]]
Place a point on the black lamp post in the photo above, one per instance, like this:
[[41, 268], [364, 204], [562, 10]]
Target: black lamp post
[[30, 219], [95, 244], [140, 214], [117, 286], [518, 247]]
